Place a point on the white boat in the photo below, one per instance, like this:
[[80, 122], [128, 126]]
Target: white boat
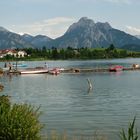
[[5, 69], [36, 70]]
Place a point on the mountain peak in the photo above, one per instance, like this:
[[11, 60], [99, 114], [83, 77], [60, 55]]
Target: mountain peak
[[85, 21], [105, 25]]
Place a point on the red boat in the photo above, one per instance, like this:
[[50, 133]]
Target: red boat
[[54, 71], [116, 68]]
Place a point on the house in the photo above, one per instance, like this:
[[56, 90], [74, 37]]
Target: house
[[11, 52], [14, 53], [21, 54]]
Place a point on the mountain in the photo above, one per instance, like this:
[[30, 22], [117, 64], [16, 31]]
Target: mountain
[[138, 36], [27, 37], [87, 33], [37, 41], [84, 33], [11, 40], [131, 47]]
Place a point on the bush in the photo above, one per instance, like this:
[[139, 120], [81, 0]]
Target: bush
[[18, 122]]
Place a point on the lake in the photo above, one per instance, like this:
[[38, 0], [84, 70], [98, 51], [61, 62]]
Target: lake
[[68, 105]]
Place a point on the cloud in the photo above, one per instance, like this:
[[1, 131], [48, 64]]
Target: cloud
[[120, 1], [58, 20], [53, 28], [33, 0], [113, 1], [133, 30]]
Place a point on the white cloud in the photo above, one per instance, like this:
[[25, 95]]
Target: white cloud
[[53, 28], [120, 1], [113, 1], [132, 30], [58, 20], [33, 0]]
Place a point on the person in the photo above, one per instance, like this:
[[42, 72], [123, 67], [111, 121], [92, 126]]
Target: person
[[5, 64], [46, 66], [10, 66]]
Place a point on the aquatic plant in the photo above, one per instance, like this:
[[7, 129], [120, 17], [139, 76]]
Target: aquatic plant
[[131, 134]]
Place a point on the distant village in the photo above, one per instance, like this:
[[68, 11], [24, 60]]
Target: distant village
[[12, 52]]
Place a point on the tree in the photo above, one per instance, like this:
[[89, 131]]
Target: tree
[[55, 54]]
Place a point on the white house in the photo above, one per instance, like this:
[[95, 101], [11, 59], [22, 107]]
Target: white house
[[21, 54], [11, 52]]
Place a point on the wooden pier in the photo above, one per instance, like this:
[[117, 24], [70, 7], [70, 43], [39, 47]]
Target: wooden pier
[[82, 70]]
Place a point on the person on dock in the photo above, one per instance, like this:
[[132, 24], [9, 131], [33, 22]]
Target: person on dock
[[5, 65], [46, 66]]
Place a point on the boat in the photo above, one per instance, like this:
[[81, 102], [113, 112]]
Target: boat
[[54, 71], [116, 68], [5, 69], [37, 70], [19, 65]]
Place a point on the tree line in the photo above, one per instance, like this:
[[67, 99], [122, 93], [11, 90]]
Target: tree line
[[76, 53]]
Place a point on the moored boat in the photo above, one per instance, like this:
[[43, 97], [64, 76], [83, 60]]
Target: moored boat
[[19, 65], [54, 71], [116, 68], [36, 70]]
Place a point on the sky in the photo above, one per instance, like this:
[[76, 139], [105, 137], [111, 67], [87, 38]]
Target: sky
[[53, 17]]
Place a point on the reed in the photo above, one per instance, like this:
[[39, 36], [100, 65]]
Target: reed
[[131, 133]]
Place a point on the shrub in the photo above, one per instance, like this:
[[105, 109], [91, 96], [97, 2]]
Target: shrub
[[18, 122]]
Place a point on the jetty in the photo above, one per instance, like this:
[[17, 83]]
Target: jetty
[[80, 70], [84, 70]]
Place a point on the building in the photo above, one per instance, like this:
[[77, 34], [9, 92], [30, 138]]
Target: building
[[21, 54], [11, 52]]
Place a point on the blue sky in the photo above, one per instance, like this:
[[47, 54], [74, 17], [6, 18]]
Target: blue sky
[[53, 17]]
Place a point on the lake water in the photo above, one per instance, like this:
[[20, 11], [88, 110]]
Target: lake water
[[68, 105]]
